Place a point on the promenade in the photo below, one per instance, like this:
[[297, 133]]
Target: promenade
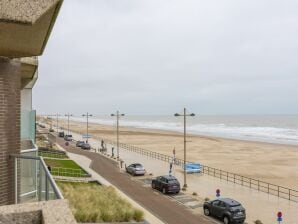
[[259, 205], [167, 210]]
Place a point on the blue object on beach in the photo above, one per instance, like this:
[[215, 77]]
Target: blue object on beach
[[86, 136], [279, 219], [193, 168]]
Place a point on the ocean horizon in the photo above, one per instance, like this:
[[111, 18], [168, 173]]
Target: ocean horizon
[[281, 129]]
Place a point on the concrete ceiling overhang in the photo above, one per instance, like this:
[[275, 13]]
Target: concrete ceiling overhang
[[25, 26], [28, 72]]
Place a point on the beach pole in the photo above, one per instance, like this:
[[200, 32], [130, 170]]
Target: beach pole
[[184, 137], [117, 115]]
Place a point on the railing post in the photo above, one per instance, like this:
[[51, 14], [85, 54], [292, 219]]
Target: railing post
[[219, 174], [278, 191], [268, 187], [258, 185], [46, 188], [289, 194], [234, 178]]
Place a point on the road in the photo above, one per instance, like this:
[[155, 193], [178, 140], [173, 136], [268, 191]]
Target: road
[[164, 208]]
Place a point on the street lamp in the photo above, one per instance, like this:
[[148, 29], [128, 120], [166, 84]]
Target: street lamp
[[117, 115], [184, 116], [57, 121], [87, 115], [68, 115]]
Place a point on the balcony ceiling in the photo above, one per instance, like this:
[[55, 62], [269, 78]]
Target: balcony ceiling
[[25, 26], [28, 71]]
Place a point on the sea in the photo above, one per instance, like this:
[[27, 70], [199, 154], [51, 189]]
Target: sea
[[282, 129]]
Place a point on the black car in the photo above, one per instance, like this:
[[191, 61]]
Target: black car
[[61, 134], [166, 184], [79, 143], [229, 210], [86, 146]]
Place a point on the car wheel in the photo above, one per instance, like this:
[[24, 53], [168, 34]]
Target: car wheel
[[206, 211], [226, 220], [164, 190], [153, 186]]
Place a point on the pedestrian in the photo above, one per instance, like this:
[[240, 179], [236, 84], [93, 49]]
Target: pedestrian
[[102, 143], [112, 151]]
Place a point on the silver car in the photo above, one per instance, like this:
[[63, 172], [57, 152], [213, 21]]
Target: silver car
[[136, 169]]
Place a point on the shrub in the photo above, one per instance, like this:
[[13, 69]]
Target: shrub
[[138, 215], [207, 199], [194, 193], [91, 202], [183, 188], [258, 222]]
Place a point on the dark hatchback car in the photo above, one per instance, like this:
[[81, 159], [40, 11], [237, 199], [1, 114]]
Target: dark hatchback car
[[166, 184], [80, 143], [61, 134], [229, 210], [136, 169]]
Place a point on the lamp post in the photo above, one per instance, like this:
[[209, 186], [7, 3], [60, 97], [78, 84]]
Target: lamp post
[[117, 115], [57, 121], [87, 115], [184, 116], [68, 115]]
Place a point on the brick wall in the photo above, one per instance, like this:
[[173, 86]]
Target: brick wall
[[9, 126]]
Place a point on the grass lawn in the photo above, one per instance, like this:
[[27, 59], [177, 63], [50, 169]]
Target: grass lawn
[[91, 202], [66, 165]]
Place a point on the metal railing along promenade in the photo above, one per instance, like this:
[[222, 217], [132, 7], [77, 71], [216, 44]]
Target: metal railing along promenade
[[262, 186]]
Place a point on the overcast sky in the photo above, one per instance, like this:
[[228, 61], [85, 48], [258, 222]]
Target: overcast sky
[[157, 56]]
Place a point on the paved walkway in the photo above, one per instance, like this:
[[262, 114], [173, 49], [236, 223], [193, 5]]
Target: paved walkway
[[167, 210]]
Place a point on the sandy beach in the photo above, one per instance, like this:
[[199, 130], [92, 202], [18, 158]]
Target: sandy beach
[[274, 163]]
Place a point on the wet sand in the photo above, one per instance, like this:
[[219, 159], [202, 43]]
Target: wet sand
[[274, 163]]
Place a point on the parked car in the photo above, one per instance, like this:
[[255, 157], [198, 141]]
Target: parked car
[[68, 138], [229, 210], [86, 146], [51, 130], [79, 143], [61, 134], [136, 169], [166, 184]]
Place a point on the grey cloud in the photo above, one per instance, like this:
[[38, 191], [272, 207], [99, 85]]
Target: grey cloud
[[156, 56]]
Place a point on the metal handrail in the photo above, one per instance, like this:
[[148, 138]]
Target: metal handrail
[[44, 167]]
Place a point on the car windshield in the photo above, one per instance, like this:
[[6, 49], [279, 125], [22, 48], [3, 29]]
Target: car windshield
[[172, 181], [139, 166], [237, 206]]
